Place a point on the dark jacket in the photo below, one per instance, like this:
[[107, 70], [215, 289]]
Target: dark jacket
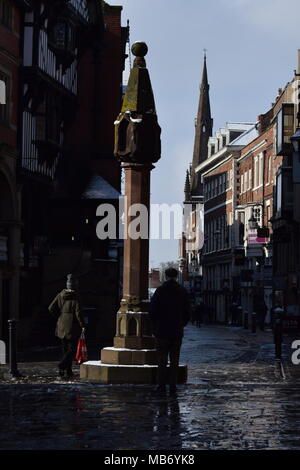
[[169, 310], [66, 307]]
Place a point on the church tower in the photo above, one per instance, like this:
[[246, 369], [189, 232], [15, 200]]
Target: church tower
[[204, 128]]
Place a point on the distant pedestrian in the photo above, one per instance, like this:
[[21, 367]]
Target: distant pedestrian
[[278, 329], [199, 311], [234, 313], [170, 312], [261, 311], [66, 308]]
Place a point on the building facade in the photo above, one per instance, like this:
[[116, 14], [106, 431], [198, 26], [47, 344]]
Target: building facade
[[248, 180], [221, 185], [62, 65], [11, 21]]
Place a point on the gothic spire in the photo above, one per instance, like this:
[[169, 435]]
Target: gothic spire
[[204, 127], [187, 186]]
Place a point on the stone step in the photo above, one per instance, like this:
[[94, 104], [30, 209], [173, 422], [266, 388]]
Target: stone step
[[128, 356], [97, 372]]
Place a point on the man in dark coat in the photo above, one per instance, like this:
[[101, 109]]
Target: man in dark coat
[[170, 312], [66, 307]]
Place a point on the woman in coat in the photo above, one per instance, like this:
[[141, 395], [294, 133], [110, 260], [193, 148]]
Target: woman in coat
[[66, 307]]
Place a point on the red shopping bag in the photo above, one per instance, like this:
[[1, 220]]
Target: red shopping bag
[[81, 353]]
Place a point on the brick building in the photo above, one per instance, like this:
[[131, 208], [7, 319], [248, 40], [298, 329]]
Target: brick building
[[285, 219], [220, 179], [248, 180], [11, 23], [257, 169]]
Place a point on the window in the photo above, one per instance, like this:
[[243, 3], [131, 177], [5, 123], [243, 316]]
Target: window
[[48, 120], [269, 168], [279, 133], [6, 13], [213, 188], [284, 192], [227, 179], [256, 172], [242, 183], [269, 214], [261, 169], [278, 192], [246, 180], [241, 219], [250, 179], [284, 129], [4, 108], [224, 182]]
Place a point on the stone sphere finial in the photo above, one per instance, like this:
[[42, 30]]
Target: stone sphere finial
[[139, 49]]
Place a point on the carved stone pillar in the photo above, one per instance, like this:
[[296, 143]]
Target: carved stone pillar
[[133, 357]]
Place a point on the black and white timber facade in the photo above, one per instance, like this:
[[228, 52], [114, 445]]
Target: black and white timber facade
[[51, 55]]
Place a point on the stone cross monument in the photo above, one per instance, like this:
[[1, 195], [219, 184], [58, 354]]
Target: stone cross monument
[[133, 357]]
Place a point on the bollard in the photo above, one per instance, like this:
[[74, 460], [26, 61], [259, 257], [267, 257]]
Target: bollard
[[13, 367], [253, 322], [246, 319], [240, 316], [278, 337], [278, 331]]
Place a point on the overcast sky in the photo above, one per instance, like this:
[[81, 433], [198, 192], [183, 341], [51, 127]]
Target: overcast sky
[[251, 52]]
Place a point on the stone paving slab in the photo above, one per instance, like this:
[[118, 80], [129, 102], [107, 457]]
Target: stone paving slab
[[236, 398], [222, 411]]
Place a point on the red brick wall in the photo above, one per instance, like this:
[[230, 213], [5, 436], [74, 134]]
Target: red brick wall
[[264, 192], [10, 50]]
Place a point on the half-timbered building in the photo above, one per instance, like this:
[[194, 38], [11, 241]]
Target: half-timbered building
[[11, 17], [66, 162]]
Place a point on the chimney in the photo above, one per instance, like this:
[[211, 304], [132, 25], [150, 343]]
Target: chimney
[[298, 68]]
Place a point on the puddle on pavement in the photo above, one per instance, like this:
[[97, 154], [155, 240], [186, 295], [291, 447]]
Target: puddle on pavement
[[86, 416]]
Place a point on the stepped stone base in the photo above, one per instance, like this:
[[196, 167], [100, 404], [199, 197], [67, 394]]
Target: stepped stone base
[[96, 371], [128, 356], [134, 342]]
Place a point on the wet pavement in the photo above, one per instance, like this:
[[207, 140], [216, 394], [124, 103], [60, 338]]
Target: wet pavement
[[237, 397]]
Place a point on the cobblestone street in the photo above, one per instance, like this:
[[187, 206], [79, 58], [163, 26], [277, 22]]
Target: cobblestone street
[[237, 397]]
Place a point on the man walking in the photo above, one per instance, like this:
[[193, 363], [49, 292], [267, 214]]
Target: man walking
[[66, 307], [170, 312]]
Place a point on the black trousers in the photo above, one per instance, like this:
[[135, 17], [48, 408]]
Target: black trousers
[[168, 348], [68, 348]]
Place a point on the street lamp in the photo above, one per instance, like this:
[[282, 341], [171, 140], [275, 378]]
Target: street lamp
[[226, 289], [194, 263], [253, 222]]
